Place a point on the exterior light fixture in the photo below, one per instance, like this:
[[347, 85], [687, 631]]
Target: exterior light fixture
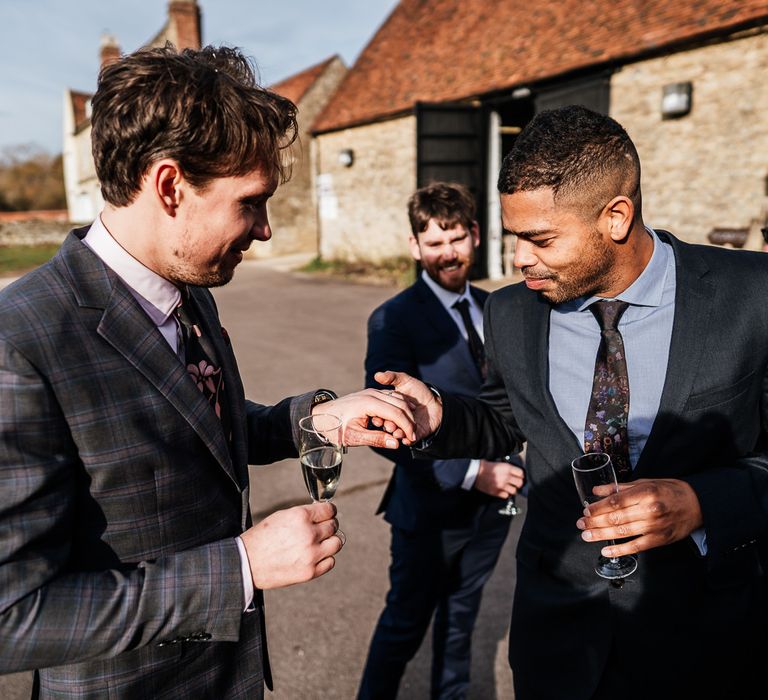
[[346, 157], [676, 100]]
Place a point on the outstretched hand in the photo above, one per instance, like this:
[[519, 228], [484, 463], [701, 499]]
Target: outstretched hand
[[655, 512], [425, 406]]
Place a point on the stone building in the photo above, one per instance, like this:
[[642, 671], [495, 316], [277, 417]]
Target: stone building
[[292, 210], [444, 87], [84, 201]]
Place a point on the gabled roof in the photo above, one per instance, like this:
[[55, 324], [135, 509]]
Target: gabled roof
[[295, 86], [440, 50], [79, 107]]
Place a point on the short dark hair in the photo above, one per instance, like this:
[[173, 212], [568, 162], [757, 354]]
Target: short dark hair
[[202, 108], [585, 157], [448, 203]]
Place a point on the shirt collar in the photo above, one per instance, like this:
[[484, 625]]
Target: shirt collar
[[446, 297], [647, 289], [157, 295]]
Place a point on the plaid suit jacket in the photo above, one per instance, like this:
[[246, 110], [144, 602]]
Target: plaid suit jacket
[[120, 497]]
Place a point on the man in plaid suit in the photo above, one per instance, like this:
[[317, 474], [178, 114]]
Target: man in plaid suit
[[128, 564]]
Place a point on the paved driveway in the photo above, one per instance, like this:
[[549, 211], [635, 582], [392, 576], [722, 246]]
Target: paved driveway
[[292, 333]]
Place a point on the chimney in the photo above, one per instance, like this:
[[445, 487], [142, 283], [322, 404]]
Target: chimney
[[109, 50], [184, 24]]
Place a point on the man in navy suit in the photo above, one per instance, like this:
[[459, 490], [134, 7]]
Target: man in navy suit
[[447, 530]]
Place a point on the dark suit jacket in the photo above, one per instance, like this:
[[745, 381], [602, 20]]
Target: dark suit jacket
[[120, 496], [413, 332], [683, 623]]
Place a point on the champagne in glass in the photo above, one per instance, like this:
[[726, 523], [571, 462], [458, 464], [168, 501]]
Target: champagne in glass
[[320, 453], [321, 467], [591, 470]]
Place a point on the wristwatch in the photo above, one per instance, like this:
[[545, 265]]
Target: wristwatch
[[323, 395]]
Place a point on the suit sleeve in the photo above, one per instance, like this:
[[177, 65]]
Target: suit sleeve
[[273, 430], [390, 347], [484, 426], [734, 499], [50, 612]]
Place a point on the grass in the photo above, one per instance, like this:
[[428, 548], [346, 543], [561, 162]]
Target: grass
[[15, 259], [400, 271]]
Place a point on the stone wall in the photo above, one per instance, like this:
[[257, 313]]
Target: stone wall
[[292, 210], [33, 232], [707, 169], [362, 208]]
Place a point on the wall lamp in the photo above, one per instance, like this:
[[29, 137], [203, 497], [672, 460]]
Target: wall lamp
[[346, 157], [676, 100]]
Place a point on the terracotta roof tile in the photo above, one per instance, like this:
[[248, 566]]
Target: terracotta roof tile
[[295, 86], [438, 50]]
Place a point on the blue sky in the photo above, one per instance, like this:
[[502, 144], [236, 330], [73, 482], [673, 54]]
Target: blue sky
[[48, 45]]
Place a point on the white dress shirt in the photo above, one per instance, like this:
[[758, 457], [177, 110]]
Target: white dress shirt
[[448, 299]]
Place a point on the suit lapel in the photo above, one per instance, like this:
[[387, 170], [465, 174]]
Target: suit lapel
[[439, 318], [536, 348], [233, 388], [694, 295], [126, 327]]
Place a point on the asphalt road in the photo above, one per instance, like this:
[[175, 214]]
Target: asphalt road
[[293, 333]]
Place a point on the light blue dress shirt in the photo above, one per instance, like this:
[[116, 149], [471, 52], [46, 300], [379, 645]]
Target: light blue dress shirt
[[645, 326]]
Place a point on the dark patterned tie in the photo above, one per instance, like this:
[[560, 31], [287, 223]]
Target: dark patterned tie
[[606, 425], [200, 359], [476, 348]]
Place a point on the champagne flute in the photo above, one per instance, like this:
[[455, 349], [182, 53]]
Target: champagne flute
[[591, 470], [321, 452], [510, 508]]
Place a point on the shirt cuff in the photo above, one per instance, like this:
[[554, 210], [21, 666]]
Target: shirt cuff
[[245, 569], [699, 537], [471, 475]]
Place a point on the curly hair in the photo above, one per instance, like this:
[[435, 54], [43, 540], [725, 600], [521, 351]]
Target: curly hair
[[585, 157], [448, 203], [202, 108]]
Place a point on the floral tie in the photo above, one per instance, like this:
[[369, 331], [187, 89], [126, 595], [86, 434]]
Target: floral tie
[[200, 360], [606, 425]]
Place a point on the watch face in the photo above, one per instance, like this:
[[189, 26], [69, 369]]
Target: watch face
[[322, 396]]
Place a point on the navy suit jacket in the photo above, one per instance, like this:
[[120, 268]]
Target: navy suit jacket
[[414, 333]]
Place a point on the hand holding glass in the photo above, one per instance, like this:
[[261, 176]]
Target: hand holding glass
[[591, 470]]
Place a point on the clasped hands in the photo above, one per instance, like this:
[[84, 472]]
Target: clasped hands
[[404, 414]]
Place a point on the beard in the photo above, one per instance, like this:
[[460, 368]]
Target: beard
[[592, 272], [452, 276], [183, 273]]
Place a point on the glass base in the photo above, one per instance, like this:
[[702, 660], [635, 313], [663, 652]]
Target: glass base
[[620, 567], [510, 509]]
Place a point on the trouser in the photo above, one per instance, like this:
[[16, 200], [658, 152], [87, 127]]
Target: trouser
[[441, 572]]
